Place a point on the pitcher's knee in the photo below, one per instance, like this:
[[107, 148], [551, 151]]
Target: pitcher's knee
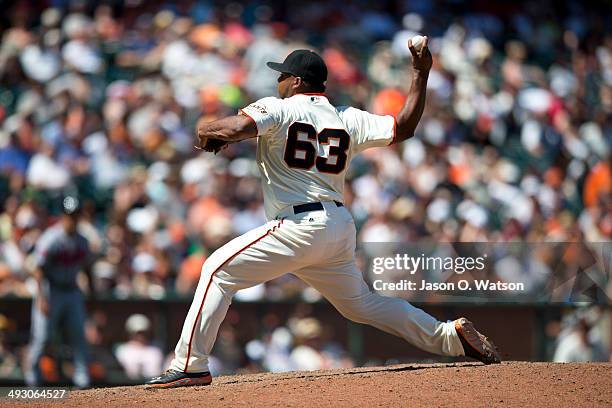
[[225, 285], [355, 310]]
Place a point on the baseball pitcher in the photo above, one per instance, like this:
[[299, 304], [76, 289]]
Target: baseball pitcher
[[305, 145]]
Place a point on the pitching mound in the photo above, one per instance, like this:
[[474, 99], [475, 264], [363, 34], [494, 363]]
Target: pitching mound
[[451, 385]]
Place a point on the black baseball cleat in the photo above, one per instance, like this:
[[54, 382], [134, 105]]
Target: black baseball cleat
[[173, 378], [475, 344]]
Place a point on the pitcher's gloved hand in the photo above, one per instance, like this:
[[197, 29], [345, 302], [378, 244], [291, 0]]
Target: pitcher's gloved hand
[[205, 142], [211, 145]]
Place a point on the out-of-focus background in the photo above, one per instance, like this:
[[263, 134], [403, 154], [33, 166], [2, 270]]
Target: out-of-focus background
[[99, 99]]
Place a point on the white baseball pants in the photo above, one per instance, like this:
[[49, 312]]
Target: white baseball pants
[[319, 248]]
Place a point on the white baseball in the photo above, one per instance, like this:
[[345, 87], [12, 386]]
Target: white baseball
[[418, 41]]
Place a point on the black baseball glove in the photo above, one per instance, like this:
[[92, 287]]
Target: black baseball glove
[[212, 145]]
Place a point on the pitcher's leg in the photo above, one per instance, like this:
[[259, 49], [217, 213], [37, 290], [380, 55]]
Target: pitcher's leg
[[344, 287], [398, 317], [253, 258], [202, 323]]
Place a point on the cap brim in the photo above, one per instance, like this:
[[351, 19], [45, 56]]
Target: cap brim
[[277, 66]]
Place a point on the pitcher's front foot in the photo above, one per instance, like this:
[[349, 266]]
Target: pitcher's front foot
[[174, 378]]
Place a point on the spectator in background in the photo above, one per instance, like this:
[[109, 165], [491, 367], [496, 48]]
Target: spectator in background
[[9, 367], [582, 340], [11, 270], [277, 357], [138, 357], [307, 353], [228, 352], [103, 365], [577, 346], [313, 351]]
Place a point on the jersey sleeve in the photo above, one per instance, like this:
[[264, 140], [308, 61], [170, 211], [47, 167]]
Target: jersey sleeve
[[367, 129], [267, 114]]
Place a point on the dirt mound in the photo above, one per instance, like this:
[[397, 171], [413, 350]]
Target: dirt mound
[[452, 385]]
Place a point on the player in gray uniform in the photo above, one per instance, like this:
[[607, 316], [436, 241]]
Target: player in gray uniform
[[60, 254]]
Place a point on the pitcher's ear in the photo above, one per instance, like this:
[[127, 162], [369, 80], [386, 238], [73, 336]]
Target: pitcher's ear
[[297, 82]]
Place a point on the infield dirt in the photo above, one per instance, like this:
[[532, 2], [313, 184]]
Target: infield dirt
[[409, 385]]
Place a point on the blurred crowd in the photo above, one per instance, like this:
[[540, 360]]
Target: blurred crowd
[[100, 99]]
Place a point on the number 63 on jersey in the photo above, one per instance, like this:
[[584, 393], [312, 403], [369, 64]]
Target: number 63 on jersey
[[302, 154]]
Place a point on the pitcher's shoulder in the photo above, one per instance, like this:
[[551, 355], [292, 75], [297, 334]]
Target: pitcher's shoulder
[[269, 105], [347, 114]]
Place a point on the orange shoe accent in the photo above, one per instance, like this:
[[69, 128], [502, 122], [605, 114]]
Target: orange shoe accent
[[462, 334]]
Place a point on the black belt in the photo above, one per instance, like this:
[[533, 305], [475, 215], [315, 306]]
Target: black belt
[[312, 207], [63, 287]]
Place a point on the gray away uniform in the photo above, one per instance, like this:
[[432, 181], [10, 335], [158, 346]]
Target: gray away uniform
[[60, 257]]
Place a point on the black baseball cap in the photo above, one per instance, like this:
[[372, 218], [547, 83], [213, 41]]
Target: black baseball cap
[[305, 64]]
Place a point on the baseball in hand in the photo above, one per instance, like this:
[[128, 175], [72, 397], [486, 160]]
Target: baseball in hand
[[418, 41]]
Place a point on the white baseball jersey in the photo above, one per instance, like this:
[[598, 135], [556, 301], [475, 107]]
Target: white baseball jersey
[[305, 146]]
